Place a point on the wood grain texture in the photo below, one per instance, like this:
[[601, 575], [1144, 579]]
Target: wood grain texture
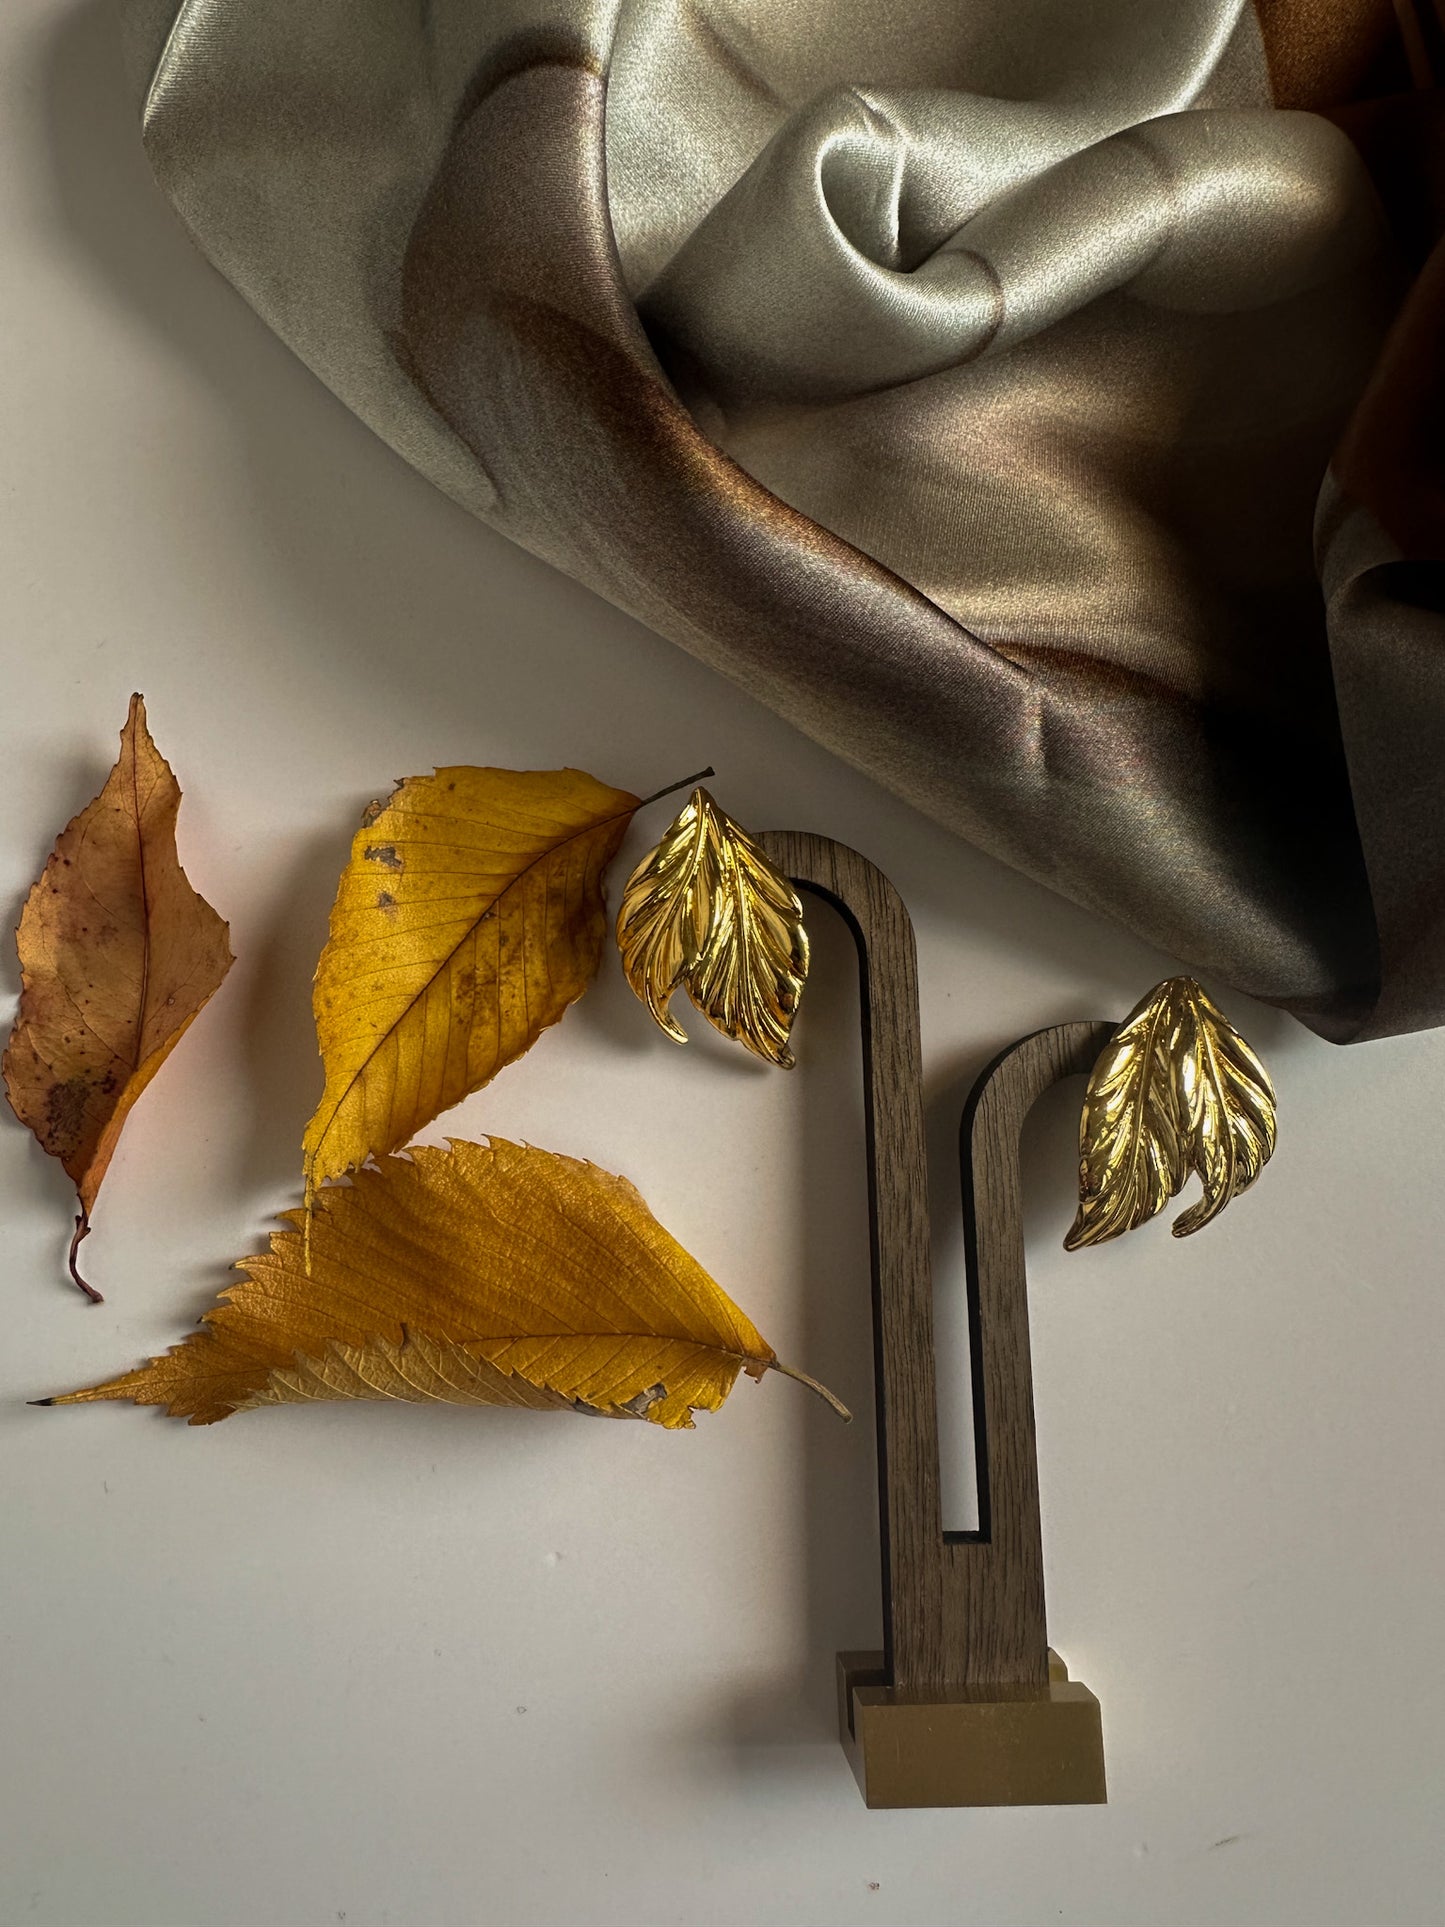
[[963, 1612], [910, 1504], [993, 1588]]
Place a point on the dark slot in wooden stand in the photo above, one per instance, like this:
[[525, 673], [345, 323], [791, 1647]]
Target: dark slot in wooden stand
[[966, 1705]]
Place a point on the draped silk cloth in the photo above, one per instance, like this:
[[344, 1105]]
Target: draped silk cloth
[[1040, 404]]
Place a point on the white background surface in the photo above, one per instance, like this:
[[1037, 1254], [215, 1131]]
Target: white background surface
[[411, 1668]]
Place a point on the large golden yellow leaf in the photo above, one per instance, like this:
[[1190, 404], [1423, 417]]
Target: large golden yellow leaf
[[707, 911], [469, 916], [487, 1274], [1176, 1090], [117, 955]]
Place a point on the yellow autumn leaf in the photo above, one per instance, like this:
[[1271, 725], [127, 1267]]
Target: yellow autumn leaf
[[486, 1274], [1177, 1090], [706, 911], [118, 954], [469, 916]]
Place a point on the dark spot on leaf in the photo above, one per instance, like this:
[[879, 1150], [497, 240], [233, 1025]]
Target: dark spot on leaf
[[373, 810], [385, 854], [385, 900], [65, 1110]]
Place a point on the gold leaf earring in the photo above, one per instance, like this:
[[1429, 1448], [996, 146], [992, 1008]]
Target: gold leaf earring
[[707, 911], [1176, 1090]]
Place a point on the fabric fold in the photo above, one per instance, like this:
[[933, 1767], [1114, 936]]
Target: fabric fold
[[972, 383]]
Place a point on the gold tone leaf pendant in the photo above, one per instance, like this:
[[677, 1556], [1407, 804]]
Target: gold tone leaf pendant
[[707, 911], [1177, 1090]]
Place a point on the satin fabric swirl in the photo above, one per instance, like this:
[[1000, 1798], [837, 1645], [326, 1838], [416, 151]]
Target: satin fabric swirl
[[1039, 405]]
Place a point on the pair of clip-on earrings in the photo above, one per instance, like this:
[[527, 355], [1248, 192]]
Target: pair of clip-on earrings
[[1176, 1091]]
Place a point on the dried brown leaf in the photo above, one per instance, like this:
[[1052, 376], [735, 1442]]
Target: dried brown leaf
[[118, 954]]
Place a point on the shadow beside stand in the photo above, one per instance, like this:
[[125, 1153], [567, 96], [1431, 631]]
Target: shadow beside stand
[[966, 1705]]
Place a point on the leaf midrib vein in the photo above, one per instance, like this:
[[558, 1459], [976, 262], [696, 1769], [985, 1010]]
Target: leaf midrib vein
[[1146, 1078], [1206, 1039]]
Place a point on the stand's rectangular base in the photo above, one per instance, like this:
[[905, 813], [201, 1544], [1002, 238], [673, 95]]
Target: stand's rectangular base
[[910, 1751]]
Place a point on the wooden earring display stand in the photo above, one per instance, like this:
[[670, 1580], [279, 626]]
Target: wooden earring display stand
[[966, 1705]]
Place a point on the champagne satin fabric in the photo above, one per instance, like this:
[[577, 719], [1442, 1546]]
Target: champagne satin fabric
[[965, 377]]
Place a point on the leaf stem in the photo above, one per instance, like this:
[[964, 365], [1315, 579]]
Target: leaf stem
[[813, 1386], [82, 1230], [672, 788]]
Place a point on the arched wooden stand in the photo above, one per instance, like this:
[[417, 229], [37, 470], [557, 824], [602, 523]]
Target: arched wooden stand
[[966, 1705]]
